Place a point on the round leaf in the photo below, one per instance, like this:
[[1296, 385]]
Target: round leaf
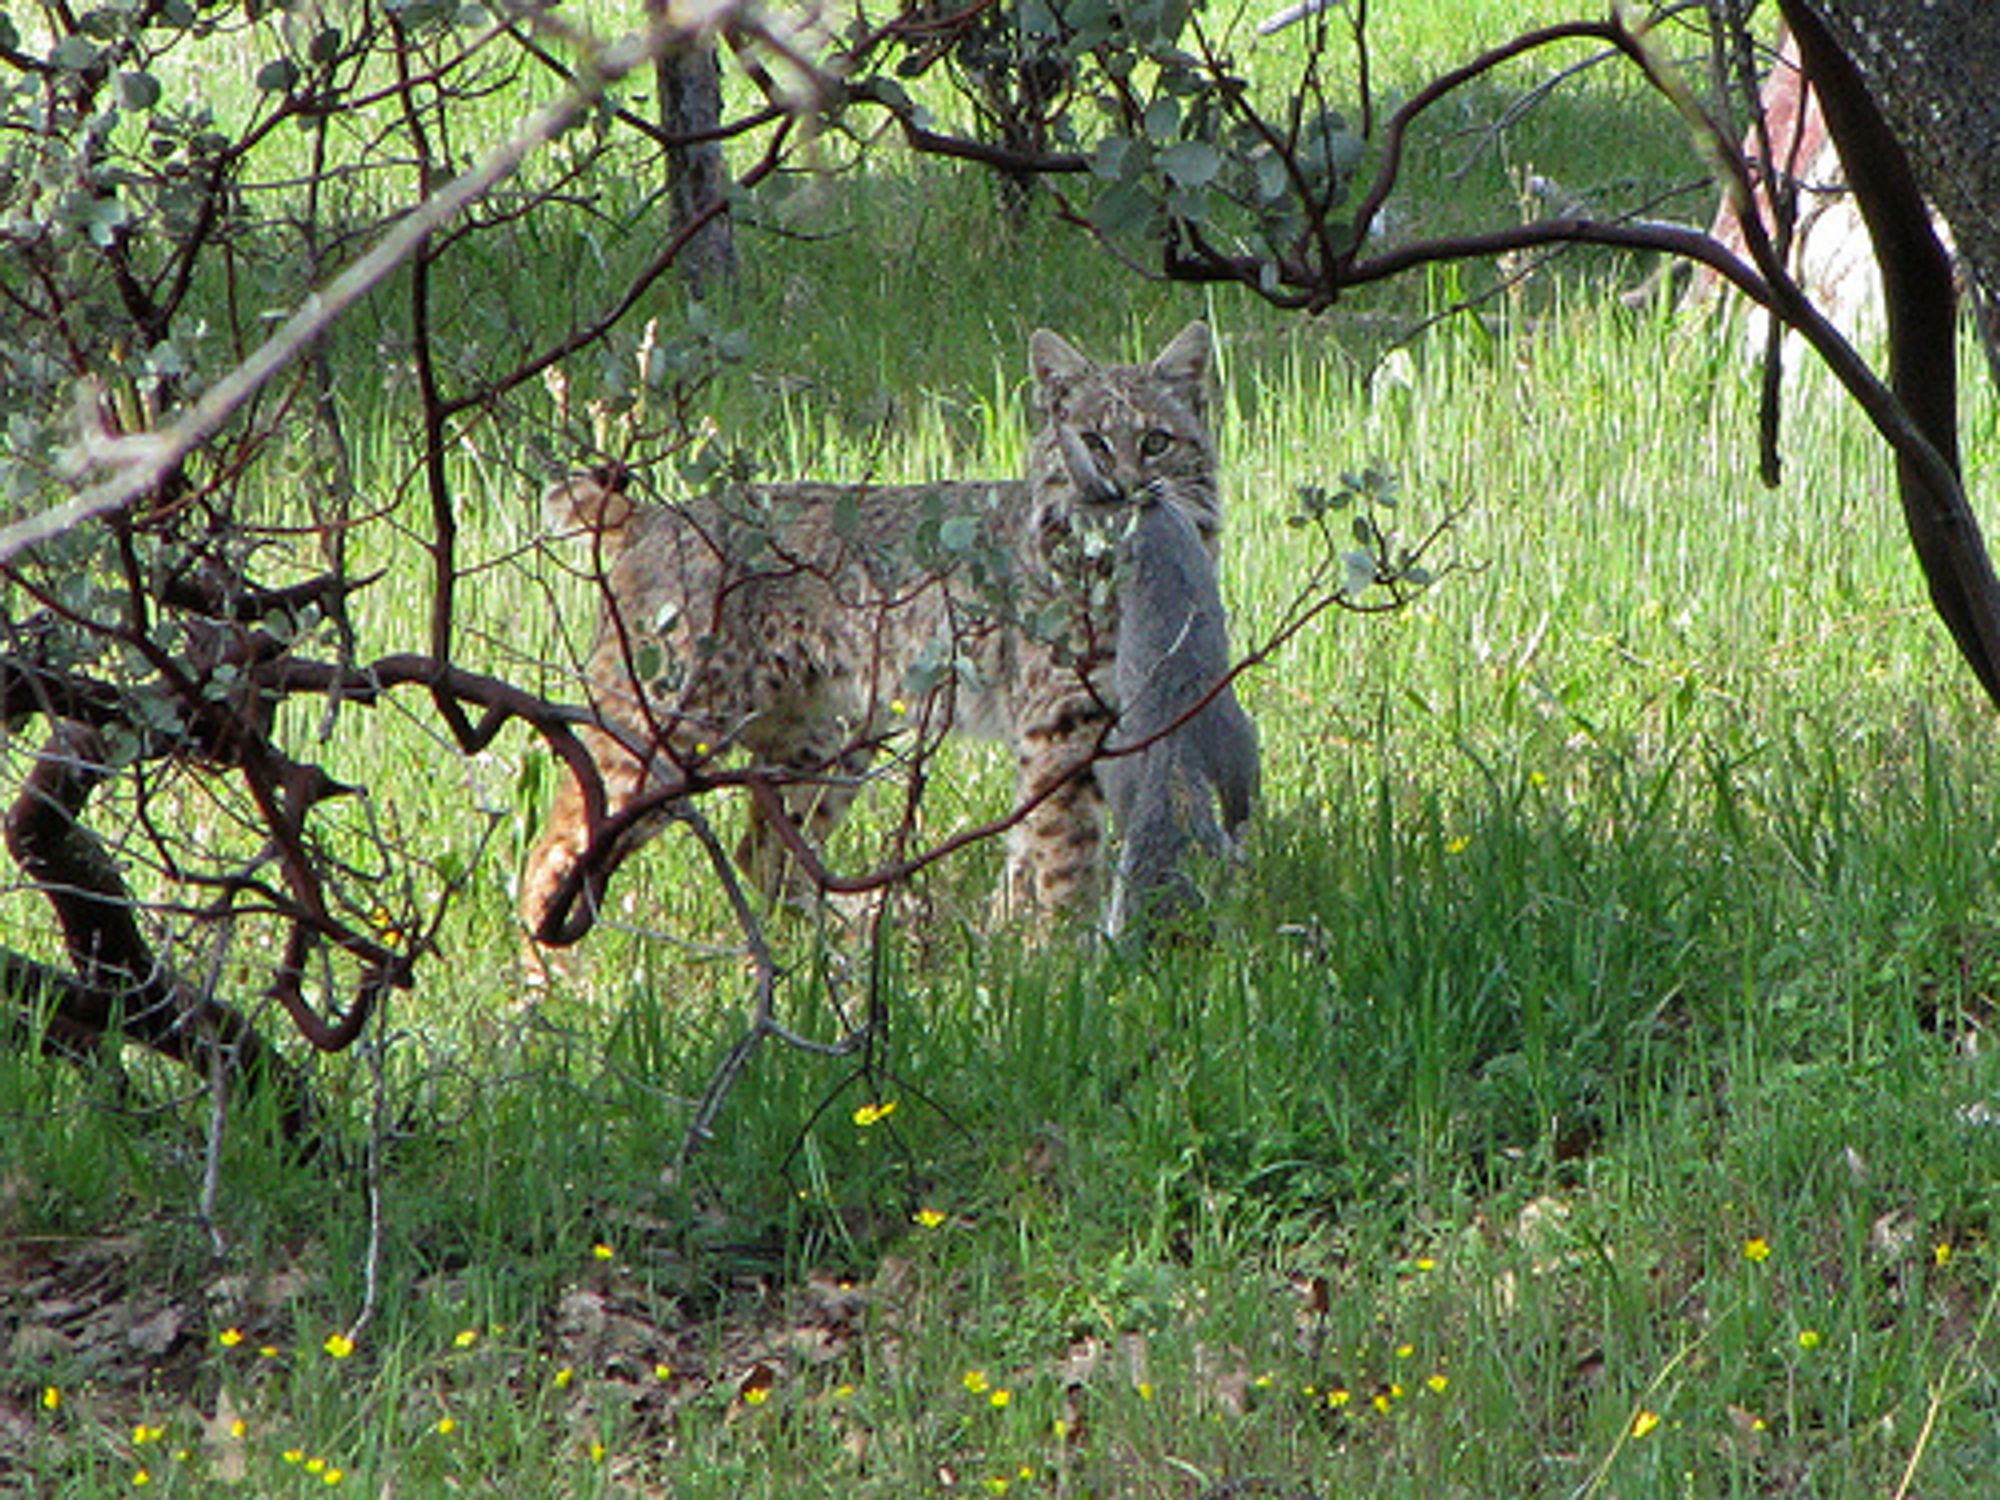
[[1191, 164], [138, 90]]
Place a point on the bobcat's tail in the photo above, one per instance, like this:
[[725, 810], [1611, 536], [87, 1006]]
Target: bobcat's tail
[[592, 504]]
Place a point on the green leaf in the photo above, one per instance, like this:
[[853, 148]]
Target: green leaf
[[278, 75], [1128, 206], [106, 24], [959, 533], [1273, 182], [73, 54], [889, 94], [1111, 157], [138, 90], [1163, 119], [1191, 164]]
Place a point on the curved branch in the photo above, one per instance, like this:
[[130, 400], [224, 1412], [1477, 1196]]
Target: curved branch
[[118, 982]]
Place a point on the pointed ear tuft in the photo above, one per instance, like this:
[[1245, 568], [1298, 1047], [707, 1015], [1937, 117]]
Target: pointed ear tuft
[[1186, 365], [1055, 365]]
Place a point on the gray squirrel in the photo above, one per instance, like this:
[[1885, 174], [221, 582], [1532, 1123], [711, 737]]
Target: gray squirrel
[[1173, 648]]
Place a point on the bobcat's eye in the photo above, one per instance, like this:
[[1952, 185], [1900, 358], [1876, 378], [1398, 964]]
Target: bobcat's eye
[[1155, 442]]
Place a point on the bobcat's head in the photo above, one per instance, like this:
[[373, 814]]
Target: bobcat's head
[[1123, 435]]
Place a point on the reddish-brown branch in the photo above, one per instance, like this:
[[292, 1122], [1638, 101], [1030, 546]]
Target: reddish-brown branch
[[118, 982]]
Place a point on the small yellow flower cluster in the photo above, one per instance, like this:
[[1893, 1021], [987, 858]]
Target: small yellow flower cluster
[[1757, 1250], [874, 1114], [328, 1474]]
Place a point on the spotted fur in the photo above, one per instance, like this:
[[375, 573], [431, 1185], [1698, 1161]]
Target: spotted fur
[[816, 627]]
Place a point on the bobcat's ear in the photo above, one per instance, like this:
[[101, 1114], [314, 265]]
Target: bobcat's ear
[[1185, 365], [589, 502], [1056, 365]]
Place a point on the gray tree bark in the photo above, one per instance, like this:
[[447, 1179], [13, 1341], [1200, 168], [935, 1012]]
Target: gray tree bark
[[690, 85], [1934, 70]]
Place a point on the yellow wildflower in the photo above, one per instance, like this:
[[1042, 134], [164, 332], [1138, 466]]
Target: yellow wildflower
[[870, 1114], [1758, 1249], [602, 1251], [294, 1455], [663, 1371], [466, 1338], [333, 1476], [930, 1218], [975, 1381], [229, 1338], [1338, 1397], [238, 1428], [51, 1398], [1942, 1253], [141, 1478], [339, 1345], [1808, 1338], [446, 1426], [563, 1377], [1644, 1422], [1000, 1398], [597, 1451], [757, 1395], [1438, 1382]]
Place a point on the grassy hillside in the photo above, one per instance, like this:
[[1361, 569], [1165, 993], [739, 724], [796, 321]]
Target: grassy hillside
[[1587, 1090]]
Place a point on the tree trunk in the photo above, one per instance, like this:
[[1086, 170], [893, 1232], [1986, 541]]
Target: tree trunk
[[690, 85], [1934, 70], [1884, 123]]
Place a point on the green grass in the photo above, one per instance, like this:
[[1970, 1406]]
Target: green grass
[[1624, 905]]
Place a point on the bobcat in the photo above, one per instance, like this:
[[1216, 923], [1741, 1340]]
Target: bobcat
[[1172, 650], [810, 624]]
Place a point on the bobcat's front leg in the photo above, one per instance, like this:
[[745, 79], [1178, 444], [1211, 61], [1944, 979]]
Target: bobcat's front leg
[[566, 837], [1055, 855]]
